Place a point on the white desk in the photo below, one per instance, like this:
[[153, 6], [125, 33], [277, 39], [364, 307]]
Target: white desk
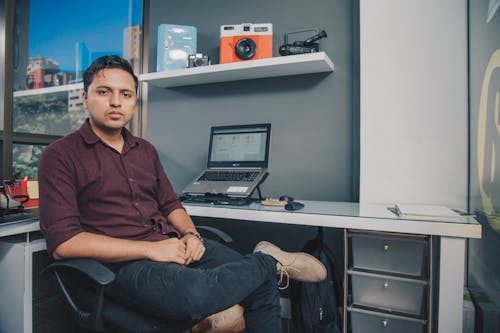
[[453, 234], [19, 228], [16, 271]]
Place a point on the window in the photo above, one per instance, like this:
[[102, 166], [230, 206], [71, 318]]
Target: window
[[25, 160], [49, 113], [54, 42], [61, 42]]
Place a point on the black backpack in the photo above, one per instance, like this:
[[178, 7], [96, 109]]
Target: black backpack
[[316, 307]]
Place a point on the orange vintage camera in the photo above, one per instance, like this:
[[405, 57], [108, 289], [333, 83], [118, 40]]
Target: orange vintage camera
[[246, 41]]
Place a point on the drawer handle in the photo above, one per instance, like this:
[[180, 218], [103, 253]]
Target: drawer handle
[[385, 323], [386, 247], [386, 285]]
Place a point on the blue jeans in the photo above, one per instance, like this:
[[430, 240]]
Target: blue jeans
[[222, 278]]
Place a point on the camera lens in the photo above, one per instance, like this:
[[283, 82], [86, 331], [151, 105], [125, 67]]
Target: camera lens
[[245, 49]]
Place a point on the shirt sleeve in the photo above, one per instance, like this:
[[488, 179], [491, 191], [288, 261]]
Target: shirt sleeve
[[58, 208], [168, 200]]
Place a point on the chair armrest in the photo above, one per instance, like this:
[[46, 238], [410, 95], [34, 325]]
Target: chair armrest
[[99, 273], [217, 232]]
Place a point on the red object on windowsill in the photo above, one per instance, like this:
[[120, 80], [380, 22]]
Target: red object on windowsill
[[22, 189]]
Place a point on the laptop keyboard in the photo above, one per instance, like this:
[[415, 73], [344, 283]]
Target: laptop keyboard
[[15, 217], [227, 176]]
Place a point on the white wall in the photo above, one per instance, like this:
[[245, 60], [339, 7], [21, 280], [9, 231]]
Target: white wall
[[413, 107]]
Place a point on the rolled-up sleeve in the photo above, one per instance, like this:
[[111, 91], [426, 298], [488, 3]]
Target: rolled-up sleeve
[[59, 214]]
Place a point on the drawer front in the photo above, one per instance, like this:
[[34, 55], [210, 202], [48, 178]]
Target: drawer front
[[389, 254], [378, 323], [389, 293]]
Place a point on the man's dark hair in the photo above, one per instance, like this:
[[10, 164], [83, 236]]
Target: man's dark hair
[[104, 62]]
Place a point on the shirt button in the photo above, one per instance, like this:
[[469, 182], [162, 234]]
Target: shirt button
[[136, 204], [131, 180]]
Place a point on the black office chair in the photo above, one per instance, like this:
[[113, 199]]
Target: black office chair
[[83, 281]]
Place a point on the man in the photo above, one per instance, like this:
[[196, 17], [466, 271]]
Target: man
[[104, 195]]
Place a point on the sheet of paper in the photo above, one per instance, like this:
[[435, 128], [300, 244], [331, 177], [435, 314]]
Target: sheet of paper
[[32, 186], [425, 210]]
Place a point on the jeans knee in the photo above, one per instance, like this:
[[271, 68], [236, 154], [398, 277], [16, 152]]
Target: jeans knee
[[200, 304]]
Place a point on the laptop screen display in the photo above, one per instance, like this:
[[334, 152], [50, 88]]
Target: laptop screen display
[[239, 146]]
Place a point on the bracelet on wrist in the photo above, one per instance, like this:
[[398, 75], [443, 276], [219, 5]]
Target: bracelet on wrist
[[195, 234]]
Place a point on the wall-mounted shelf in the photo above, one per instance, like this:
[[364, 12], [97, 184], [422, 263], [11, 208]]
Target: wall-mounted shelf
[[255, 69]]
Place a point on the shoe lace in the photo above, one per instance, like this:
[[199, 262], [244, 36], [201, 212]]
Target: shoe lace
[[284, 277]]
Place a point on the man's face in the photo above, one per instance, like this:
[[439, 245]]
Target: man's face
[[110, 100]]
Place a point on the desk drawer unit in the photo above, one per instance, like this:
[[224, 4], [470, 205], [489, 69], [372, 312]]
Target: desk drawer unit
[[388, 282], [364, 321]]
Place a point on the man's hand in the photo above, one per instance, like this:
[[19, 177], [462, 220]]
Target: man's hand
[[194, 248], [169, 250]]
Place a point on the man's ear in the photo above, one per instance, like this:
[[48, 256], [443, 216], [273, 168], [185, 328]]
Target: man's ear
[[84, 98]]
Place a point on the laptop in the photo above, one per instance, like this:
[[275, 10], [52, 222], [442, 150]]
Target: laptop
[[237, 162]]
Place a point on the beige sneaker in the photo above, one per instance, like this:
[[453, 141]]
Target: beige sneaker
[[228, 321], [295, 265]]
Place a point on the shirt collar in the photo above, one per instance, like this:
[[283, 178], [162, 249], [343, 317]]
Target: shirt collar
[[91, 138]]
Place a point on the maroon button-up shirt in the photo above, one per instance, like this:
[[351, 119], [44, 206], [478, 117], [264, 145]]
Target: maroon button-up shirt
[[85, 185]]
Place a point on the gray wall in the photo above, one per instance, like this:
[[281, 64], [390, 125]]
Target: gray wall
[[314, 128], [484, 40]]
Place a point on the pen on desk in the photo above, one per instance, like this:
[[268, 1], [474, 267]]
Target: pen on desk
[[397, 210]]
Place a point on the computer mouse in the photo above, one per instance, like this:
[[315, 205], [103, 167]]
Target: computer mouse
[[286, 198], [294, 205]]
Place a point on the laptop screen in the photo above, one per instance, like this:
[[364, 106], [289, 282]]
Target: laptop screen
[[239, 146]]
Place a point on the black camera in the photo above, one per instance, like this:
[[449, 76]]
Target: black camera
[[198, 60], [300, 47]]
